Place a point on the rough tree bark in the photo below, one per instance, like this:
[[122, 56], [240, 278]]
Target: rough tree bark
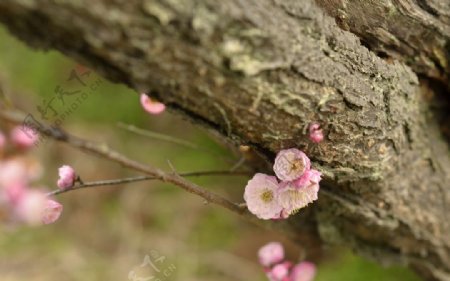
[[259, 71]]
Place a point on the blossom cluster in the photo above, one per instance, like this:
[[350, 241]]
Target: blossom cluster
[[271, 257], [297, 185], [20, 203]]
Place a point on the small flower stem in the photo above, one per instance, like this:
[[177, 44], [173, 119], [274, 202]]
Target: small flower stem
[[157, 136]]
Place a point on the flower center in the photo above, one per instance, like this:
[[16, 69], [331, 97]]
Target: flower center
[[297, 165], [267, 196]]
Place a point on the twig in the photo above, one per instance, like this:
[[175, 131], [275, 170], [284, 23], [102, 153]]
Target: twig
[[103, 151], [238, 164], [171, 166], [157, 136], [171, 139], [144, 178]]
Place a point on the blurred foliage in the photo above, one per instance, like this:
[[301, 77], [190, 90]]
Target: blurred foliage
[[104, 233]]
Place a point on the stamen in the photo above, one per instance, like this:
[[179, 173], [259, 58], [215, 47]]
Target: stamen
[[267, 196]]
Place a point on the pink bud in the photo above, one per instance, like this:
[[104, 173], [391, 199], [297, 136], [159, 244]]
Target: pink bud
[[52, 211], [151, 106], [279, 272], [315, 133], [67, 177], [284, 214], [30, 207], [23, 139], [304, 271], [271, 253], [309, 177]]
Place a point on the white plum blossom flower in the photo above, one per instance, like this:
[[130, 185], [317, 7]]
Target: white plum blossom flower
[[293, 198], [260, 196], [290, 164]]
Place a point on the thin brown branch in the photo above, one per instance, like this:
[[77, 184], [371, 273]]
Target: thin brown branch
[[144, 178], [171, 139], [157, 136], [103, 151]]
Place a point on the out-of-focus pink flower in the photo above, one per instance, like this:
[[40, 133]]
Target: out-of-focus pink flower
[[22, 139], [151, 106], [67, 177], [12, 172], [304, 271], [279, 272], [30, 207], [310, 176], [315, 133], [13, 193], [292, 198], [290, 164], [52, 211], [2, 141], [270, 254], [260, 196]]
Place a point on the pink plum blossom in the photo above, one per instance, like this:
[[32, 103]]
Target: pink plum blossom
[[13, 193], [260, 196], [293, 198], [279, 272], [304, 271], [30, 206], [51, 212], [315, 133], [151, 106], [290, 164], [270, 254], [13, 171], [67, 177], [310, 176], [21, 139]]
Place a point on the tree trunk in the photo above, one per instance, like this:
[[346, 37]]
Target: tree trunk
[[259, 71]]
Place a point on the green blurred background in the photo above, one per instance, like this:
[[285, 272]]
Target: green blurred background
[[105, 234]]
